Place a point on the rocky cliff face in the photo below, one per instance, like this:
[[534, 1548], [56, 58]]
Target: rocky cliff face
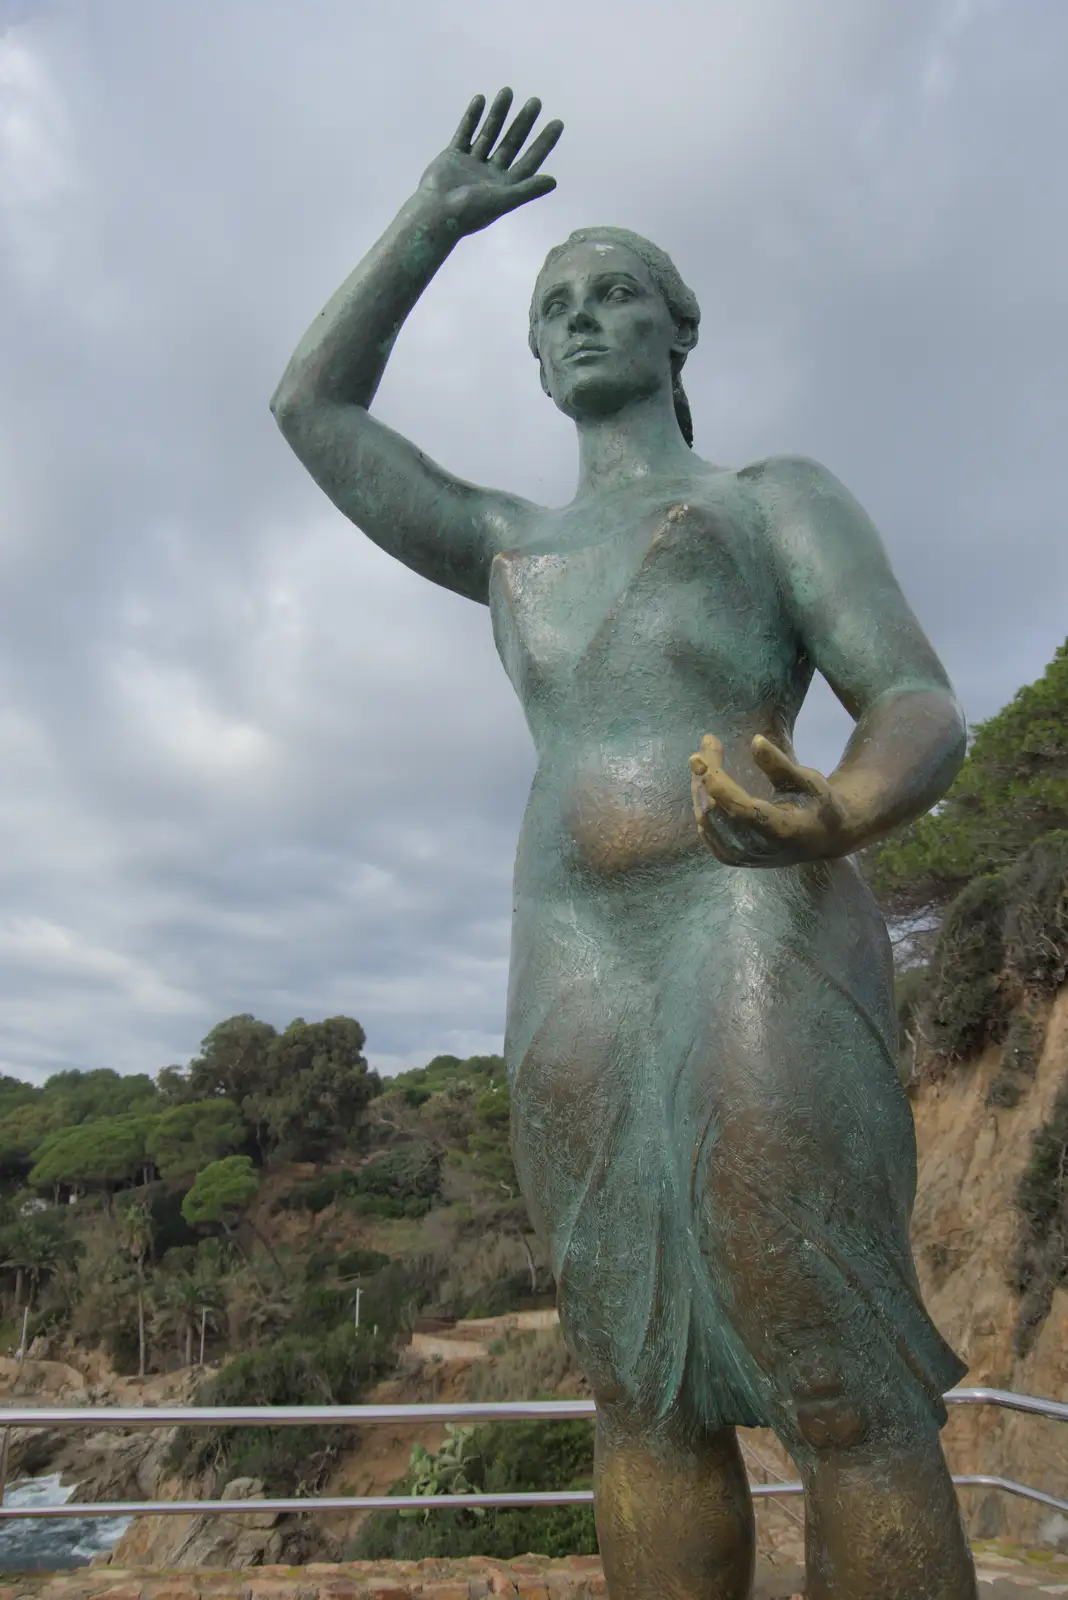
[[965, 1232]]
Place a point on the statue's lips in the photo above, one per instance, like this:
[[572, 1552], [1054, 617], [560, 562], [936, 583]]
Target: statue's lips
[[586, 350]]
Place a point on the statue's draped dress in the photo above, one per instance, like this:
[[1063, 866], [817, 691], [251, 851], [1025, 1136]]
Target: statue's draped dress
[[708, 1121]]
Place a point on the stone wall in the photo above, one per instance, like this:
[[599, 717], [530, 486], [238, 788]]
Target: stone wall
[[530, 1578], [1003, 1570]]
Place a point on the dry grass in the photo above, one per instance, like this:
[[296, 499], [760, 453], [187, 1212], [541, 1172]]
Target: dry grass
[[530, 1366]]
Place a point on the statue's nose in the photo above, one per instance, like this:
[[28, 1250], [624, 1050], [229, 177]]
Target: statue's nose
[[581, 320]]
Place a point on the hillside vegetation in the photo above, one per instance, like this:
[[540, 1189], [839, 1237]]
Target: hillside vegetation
[[978, 890], [227, 1213]]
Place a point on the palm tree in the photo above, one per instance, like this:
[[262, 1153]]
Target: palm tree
[[19, 1255], [175, 1309], [135, 1232], [209, 1272], [185, 1297], [34, 1248]]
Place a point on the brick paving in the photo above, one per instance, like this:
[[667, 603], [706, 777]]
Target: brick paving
[[1004, 1571]]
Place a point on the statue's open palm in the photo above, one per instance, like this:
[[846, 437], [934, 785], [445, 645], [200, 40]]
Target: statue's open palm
[[482, 176]]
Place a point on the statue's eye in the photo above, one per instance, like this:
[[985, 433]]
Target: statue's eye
[[619, 292], [551, 307]]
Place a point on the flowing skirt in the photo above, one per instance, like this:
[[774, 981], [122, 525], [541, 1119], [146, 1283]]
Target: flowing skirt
[[712, 1137]]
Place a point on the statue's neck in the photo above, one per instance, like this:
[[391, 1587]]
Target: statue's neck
[[642, 441]]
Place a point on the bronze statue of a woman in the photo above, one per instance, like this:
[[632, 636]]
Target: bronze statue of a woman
[[707, 1118]]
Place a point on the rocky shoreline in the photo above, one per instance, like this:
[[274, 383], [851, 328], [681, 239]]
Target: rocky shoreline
[[115, 1465]]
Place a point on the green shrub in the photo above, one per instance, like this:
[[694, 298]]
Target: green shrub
[[1019, 1059], [501, 1458], [397, 1293], [446, 1073], [170, 1230], [350, 1264], [50, 1320], [911, 995], [320, 1307], [1011, 791], [1036, 915], [320, 1264], [315, 1194], [964, 1010], [501, 1534], [404, 1182], [1041, 1264], [361, 1263], [410, 1172], [507, 1294], [291, 1371], [910, 991], [391, 1210]]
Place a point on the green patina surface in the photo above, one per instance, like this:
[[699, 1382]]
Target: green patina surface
[[708, 1121]]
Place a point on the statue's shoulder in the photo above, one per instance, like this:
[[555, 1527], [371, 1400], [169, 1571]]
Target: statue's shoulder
[[789, 472], [794, 491]]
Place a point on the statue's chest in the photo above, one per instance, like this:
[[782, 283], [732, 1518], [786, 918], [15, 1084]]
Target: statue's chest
[[642, 599]]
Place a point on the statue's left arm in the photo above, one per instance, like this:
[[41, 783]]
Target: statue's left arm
[[859, 631]]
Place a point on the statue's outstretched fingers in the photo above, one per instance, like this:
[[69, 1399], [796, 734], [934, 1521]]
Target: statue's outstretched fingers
[[461, 139], [517, 135], [490, 130], [533, 159]]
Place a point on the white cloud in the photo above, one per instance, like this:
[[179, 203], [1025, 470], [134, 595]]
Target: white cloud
[[37, 169], [170, 718]]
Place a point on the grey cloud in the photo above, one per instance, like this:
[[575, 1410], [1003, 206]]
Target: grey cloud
[[250, 764]]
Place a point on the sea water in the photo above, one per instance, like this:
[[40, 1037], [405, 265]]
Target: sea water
[[52, 1546]]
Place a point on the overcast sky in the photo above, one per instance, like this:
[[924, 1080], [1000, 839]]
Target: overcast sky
[[250, 764]]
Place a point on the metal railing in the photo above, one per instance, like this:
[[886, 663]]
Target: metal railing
[[408, 1415]]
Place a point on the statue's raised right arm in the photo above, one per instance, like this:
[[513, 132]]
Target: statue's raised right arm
[[447, 530]]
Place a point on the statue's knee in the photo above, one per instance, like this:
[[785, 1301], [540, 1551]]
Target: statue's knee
[[831, 1422], [828, 1417]]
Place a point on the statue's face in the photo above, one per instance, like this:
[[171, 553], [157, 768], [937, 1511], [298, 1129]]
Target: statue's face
[[605, 335]]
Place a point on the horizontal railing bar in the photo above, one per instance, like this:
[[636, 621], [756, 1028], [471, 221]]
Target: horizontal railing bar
[[985, 1480], [287, 1416], [418, 1502], [239, 1508], [1035, 1405], [367, 1416]]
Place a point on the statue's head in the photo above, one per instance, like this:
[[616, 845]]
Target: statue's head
[[611, 321]]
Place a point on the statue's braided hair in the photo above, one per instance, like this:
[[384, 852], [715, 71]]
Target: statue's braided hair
[[680, 300]]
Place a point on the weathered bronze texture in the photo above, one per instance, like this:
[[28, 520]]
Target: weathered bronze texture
[[707, 1117]]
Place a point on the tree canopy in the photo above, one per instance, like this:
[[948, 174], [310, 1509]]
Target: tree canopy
[[28, 1114], [187, 1138], [96, 1155], [221, 1193], [1011, 791], [317, 1086], [301, 1093], [233, 1060]]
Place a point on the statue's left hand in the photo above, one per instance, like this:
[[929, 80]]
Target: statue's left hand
[[806, 822]]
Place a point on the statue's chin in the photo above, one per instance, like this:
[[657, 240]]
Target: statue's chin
[[592, 398]]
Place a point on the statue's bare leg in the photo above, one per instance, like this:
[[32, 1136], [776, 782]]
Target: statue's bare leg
[[674, 1515], [882, 1519], [882, 1522]]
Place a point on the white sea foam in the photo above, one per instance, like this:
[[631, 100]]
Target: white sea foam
[[50, 1546]]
